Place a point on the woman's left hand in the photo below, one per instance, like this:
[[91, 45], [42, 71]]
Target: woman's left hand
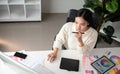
[[79, 38]]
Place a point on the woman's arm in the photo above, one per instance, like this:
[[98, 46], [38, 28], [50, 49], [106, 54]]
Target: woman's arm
[[60, 39], [52, 56], [89, 44]]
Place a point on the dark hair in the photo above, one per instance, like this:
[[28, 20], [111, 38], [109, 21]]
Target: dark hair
[[87, 15]]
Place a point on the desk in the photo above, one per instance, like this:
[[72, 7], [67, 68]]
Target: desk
[[54, 66]]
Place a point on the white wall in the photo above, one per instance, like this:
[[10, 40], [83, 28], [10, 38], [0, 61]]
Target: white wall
[[60, 6]]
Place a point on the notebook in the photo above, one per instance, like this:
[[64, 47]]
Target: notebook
[[18, 68]]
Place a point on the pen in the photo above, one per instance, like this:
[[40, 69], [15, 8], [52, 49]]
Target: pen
[[77, 32], [95, 56], [107, 53]]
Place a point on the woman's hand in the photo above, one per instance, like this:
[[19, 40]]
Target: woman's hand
[[52, 56], [79, 38], [79, 33]]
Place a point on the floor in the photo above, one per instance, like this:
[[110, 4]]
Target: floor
[[15, 36]]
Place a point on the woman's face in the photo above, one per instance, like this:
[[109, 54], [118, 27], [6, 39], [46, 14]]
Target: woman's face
[[81, 24]]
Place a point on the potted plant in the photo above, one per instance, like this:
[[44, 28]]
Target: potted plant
[[106, 10]]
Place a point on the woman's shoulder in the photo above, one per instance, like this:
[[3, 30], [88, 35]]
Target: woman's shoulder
[[94, 31], [68, 24]]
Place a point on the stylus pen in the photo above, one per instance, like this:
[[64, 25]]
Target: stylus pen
[[107, 53], [76, 32]]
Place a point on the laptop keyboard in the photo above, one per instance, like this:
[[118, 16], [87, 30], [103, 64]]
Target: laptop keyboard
[[42, 70]]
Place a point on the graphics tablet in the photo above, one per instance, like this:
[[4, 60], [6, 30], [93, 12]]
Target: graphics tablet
[[69, 64]]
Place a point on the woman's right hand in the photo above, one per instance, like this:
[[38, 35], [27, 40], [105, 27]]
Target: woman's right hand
[[52, 56]]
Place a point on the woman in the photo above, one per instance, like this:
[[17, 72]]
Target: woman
[[78, 35]]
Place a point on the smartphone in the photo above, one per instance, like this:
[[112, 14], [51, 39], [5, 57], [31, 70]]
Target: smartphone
[[20, 55]]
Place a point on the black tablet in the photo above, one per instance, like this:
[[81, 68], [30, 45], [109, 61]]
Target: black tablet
[[103, 64], [69, 64]]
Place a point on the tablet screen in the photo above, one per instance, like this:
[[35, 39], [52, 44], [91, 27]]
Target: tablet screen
[[103, 64]]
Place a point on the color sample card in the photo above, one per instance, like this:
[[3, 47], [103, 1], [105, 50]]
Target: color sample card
[[103, 64], [115, 59]]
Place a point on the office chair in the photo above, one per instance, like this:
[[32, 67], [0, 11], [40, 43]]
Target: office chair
[[71, 18]]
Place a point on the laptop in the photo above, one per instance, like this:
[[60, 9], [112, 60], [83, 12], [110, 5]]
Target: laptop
[[13, 67], [41, 69]]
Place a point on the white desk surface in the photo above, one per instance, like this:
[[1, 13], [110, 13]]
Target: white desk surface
[[54, 66]]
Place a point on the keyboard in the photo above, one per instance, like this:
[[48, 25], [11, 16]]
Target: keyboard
[[42, 70]]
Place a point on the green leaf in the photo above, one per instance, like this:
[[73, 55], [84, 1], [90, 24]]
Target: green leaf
[[111, 6], [92, 4], [89, 4], [98, 3]]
